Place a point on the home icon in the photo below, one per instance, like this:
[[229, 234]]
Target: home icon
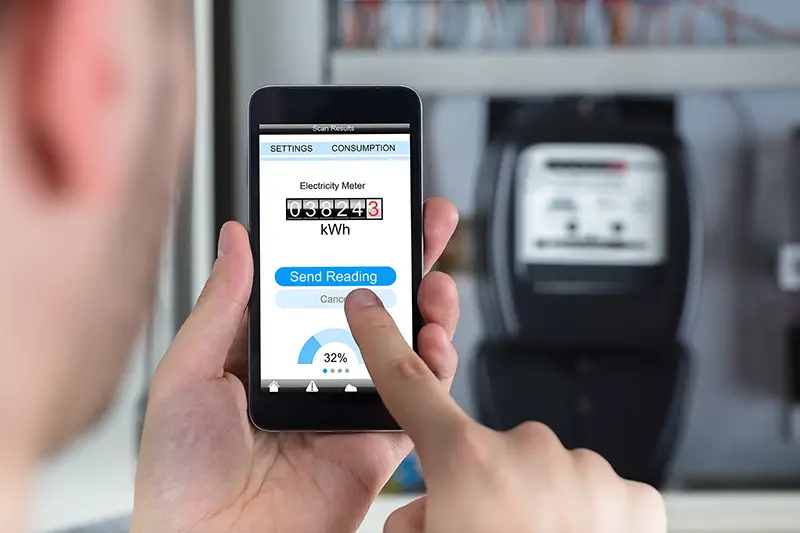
[[274, 387]]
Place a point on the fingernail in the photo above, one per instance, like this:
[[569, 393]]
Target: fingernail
[[224, 245], [364, 298]]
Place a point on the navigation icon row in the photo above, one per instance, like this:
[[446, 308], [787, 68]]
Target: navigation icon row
[[312, 387]]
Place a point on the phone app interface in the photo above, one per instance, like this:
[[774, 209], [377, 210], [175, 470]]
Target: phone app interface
[[335, 216]]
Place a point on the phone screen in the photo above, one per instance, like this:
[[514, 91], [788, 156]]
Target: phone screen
[[335, 216]]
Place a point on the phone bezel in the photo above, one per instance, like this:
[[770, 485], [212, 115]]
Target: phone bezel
[[363, 411]]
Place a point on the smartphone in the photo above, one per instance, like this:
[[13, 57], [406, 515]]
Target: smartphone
[[335, 193]]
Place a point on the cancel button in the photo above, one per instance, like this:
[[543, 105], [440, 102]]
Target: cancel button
[[334, 300], [305, 298]]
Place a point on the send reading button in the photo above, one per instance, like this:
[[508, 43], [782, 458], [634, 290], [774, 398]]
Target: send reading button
[[335, 276]]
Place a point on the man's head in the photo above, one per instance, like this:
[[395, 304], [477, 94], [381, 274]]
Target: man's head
[[96, 112]]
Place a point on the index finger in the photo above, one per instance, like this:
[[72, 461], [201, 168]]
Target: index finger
[[410, 390]]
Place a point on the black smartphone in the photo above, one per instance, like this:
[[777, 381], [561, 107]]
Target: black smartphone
[[335, 193]]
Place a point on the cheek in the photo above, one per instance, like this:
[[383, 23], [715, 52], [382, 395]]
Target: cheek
[[182, 113], [177, 93], [187, 96], [132, 125]]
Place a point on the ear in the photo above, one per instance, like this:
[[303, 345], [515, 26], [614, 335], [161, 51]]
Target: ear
[[71, 80]]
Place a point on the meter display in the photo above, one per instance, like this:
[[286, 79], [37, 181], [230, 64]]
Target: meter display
[[591, 204]]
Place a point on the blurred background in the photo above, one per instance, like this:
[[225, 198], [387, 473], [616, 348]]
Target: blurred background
[[665, 336]]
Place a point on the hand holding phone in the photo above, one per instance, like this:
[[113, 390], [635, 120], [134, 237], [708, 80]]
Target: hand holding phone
[[480, 480], [202, 465]]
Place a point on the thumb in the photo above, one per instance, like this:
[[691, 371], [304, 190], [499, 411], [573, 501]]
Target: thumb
[[408, 519], [201, 347]]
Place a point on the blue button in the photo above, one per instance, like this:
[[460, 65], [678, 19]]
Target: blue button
[[335, 276]]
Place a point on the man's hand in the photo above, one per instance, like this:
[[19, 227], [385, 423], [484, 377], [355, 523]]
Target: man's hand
[[203, 467], [479, 480]]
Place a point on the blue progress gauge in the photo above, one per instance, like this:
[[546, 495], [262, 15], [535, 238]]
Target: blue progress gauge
[[312, 345]]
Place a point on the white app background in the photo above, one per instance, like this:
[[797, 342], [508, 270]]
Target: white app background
[[301, 243]]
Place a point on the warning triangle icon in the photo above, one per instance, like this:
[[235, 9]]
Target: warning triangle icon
[[312, 387]]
